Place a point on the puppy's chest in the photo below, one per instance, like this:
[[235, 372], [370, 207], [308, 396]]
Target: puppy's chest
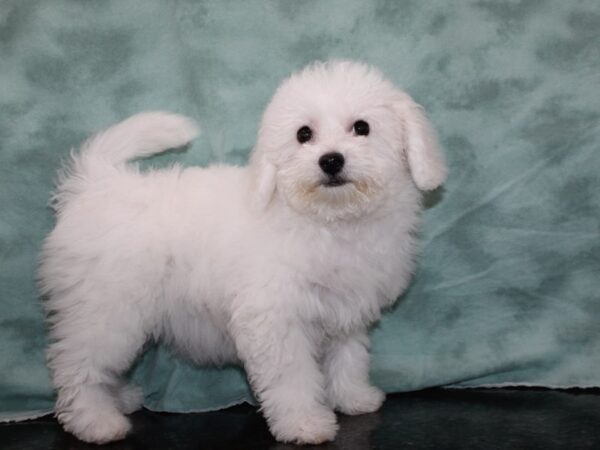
[[347, 266], [360, 256], [354, 280]]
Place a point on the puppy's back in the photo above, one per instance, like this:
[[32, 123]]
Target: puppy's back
[[107, 152]]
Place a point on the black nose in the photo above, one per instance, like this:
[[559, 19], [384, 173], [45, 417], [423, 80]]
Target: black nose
[[331, 163]]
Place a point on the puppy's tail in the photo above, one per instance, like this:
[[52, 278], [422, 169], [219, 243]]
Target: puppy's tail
[[105, 153], [138, 136]]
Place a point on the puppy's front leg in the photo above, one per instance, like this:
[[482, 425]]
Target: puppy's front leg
[[346, 366], [279, 359]]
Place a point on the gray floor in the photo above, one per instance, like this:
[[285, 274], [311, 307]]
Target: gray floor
[[434, 419]]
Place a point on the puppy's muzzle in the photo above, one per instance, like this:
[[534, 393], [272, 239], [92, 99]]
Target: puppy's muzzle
[[332, 164]]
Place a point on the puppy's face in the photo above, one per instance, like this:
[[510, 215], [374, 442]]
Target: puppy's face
[[333, 141]]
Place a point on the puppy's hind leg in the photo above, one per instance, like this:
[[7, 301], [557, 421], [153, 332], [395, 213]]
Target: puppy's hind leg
[[95, 340]]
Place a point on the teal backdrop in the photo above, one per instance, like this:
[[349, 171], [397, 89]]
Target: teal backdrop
[[507, 290]]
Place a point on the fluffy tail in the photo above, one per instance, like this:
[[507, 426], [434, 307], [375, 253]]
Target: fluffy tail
[[141, 135], [138, 136]]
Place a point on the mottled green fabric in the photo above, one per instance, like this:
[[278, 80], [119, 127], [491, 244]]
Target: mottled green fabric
[[507, 288]]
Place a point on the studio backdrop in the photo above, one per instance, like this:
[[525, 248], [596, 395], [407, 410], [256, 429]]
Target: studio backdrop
[[507, 291]]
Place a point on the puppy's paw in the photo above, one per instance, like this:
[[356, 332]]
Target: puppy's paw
[[130, 397], [314, 427], [96, 426], [360, 400]]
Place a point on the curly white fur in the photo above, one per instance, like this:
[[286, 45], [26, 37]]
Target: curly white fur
[[261, 265]]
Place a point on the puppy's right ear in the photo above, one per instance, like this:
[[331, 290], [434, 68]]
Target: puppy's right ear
[[422, 152], [264, 180]]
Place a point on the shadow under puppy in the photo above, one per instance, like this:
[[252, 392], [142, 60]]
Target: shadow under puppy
[[280, 266]]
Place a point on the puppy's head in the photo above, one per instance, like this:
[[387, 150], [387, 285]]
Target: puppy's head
[[337, 139]]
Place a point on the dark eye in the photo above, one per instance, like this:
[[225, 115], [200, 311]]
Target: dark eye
[[361, 128], [304, 134]]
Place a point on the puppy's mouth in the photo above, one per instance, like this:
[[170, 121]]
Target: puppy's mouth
[[334, 181]]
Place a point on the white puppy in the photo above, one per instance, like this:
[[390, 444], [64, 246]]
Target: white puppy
[[280, 266]]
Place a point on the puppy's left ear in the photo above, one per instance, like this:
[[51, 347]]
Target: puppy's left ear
[[264, 182], [422, 152]]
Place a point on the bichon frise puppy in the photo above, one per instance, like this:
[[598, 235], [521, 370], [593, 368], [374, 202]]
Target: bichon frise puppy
[[280, 266]]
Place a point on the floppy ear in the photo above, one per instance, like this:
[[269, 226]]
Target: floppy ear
[[422, 152], [264, 174]]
